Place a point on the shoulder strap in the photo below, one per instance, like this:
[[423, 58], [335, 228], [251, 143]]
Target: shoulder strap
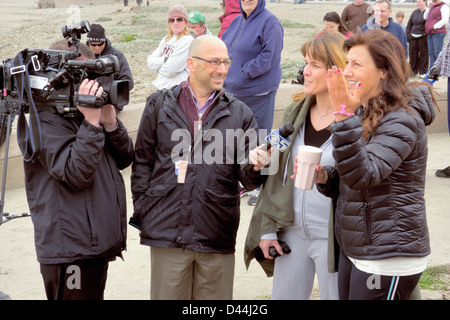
[[159, 103], [29, 134]]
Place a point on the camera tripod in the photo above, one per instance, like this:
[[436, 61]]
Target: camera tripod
[[4, 138]]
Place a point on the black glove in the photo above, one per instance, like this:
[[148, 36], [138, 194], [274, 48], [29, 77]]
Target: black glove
[[434, 72]]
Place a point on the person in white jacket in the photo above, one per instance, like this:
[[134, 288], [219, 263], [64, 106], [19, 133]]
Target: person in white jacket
[[169, 59]]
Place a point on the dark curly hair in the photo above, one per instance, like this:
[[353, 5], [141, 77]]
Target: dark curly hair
[[334, 17], [388, 54]]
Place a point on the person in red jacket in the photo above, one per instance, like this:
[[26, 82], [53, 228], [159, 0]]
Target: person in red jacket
[[231, 10]]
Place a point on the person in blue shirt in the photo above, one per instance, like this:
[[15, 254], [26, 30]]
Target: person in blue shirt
[[383, 21], [255, 40]]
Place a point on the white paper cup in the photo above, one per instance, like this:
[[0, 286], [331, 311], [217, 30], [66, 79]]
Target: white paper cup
[[308, 158]]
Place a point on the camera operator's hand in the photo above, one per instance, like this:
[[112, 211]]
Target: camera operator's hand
[[92, 88], [108, 117], [266, 244]]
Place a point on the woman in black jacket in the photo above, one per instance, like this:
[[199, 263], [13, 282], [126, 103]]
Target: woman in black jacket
[[381, 150], [417, 38]]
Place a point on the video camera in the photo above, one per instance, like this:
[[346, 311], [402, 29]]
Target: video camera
[[50, 78]]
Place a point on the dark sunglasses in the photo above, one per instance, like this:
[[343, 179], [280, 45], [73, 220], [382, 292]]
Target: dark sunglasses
[[172, 20], [96, 44]]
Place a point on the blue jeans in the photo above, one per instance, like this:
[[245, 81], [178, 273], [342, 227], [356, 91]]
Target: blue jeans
[[263, 108], [435, 43]]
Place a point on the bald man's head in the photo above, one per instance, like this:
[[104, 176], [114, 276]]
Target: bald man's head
[[202, 42], [208, 64]]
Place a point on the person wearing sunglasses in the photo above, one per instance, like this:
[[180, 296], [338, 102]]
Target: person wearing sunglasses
[[101, 46], [168, 61]]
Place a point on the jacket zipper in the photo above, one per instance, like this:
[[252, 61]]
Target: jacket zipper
[[304, 222], [367, 218]]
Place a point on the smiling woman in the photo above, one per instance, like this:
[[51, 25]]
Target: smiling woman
[[304, 214], [378, 181]]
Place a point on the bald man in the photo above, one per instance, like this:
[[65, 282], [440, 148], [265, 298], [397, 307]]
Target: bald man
[[185, 178]]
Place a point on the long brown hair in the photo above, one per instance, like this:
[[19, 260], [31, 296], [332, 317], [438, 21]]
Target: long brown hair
[[327, 49], [388, 54]]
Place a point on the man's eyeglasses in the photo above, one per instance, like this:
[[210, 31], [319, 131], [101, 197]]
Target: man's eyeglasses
[[172, 20], [216, 63], [96, 44]]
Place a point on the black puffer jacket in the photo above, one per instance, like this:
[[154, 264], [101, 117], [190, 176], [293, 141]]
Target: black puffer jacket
[[380, 211], [202, 214]]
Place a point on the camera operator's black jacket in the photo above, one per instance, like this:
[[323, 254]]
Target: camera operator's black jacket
[[202, 214], [75, 191]]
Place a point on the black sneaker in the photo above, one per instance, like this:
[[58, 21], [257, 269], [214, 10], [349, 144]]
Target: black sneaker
[[443, 173], [254, 197]]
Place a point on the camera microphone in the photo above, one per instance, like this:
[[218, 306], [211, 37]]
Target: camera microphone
[[277, 138]]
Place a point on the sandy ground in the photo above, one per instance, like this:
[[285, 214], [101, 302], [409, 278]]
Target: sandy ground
[[25, 26], [130, 279]]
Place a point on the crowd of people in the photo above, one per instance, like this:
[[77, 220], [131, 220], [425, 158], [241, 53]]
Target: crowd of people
[[364, 218]]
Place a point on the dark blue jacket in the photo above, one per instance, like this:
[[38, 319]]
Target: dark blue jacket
[[254, 44], [393, 28]]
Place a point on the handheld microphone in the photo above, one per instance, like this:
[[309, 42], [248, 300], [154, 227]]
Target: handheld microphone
[[277, 138]]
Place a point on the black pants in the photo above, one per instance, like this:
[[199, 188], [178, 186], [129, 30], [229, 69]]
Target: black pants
[[354, 284], [418, 55], [80, 280]]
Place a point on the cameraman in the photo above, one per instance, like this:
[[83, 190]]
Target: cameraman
[[76, 195], [101, 46]]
